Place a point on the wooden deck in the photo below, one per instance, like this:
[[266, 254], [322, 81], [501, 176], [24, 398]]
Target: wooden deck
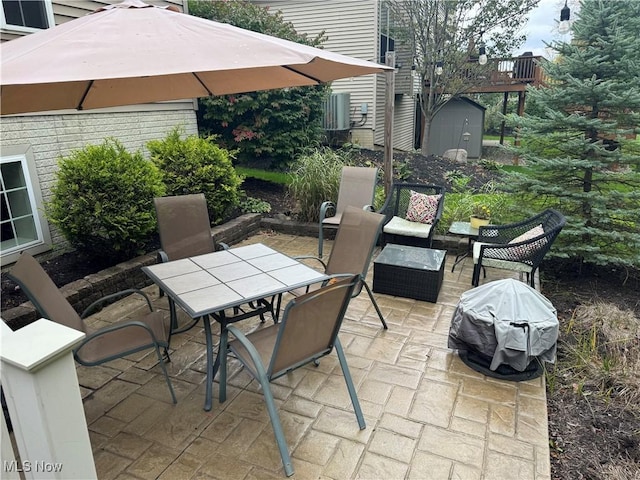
[[508, 75]]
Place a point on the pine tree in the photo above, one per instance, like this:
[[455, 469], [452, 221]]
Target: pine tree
[[581, 153]]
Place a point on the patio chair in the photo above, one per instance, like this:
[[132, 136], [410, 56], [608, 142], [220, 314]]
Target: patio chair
[[307, 332], [357, 189], [102, 345], [353, 248], [184, 227], [412, 212], [185, 231], [519, 247]]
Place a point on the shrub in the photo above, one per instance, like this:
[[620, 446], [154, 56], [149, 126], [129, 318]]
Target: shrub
[[197, 165], [272, 124], [458, 207], [254, 205], [459, 181], [103, 200], [316, 179]]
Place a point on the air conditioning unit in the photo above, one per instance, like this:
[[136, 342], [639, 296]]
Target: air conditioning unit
[[336, 112]]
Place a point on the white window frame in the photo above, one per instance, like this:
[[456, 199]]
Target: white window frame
[[24, 155], [10, 28]]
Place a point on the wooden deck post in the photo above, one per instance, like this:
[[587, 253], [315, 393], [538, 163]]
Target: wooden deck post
[[390, 87]]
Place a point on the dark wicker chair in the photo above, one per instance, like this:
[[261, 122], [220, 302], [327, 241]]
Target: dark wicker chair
[[400, 231], [495, 246]]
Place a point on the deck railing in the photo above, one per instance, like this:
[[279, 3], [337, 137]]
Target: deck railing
[[502, 74]]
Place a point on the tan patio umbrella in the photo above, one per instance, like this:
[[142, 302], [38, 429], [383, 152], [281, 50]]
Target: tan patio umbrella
[[134, 53]]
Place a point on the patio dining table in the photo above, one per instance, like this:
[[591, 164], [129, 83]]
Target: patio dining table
[[207, 285]]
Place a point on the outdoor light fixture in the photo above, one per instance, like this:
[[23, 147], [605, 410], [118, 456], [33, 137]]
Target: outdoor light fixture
[[482, 54], [439, 68], [565, 13]]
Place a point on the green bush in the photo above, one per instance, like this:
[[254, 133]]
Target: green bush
[[316, 179], [103, 200], [459, 206], [274, 124], [254, 205], [197, 165]]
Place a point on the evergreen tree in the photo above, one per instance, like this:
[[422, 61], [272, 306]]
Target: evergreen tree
[[580, 148]]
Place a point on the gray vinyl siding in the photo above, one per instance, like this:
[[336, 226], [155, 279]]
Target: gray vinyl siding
[[403, 119], [378, 137], [404, 123], [65, 10], [350, 28]]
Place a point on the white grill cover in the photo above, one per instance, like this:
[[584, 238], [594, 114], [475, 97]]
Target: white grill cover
[[507, 320]]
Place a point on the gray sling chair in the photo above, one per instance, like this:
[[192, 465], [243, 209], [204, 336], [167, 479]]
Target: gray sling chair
[[353, 248], [123, 338], [185, 231], [308, 331], [357, 188]]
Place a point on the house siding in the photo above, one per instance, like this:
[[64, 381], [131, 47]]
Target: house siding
[[404, 109], [404, 123], [351, 28], [53, 136], [65, 10]]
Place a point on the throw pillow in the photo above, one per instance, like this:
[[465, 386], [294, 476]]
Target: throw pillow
[[422, 208], [529, 234], [523, 252]]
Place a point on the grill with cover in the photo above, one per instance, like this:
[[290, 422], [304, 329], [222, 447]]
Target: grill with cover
[[505, 329]]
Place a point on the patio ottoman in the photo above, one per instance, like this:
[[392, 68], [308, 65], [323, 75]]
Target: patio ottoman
[[410, 272]]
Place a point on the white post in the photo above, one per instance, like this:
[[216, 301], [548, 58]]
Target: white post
[[43, 396]]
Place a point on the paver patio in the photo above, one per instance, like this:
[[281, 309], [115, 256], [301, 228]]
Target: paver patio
[[428, 415]]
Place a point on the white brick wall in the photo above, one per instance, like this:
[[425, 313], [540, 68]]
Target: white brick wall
[[53, 136]]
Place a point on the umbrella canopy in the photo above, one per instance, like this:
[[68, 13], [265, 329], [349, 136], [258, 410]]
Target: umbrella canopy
[[133, 53]]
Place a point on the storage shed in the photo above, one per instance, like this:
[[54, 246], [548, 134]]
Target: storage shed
[[459, 124]]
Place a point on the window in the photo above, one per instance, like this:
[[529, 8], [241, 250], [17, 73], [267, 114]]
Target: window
[[26, 15], [387, 42], [21, 225]]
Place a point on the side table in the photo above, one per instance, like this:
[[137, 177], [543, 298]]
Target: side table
[[463, 229], [410, 272]]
